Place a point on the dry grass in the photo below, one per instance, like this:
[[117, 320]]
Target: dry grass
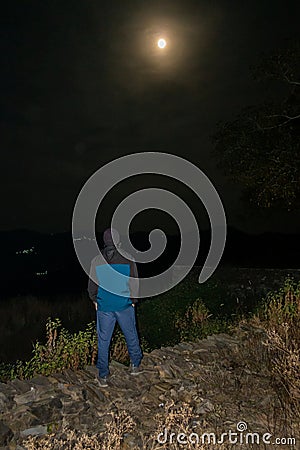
[[272, 348], [118, 347], [119, 434], [280, 317], [110, 439]]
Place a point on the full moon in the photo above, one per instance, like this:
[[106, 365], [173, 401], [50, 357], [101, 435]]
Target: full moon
[[161, 43]]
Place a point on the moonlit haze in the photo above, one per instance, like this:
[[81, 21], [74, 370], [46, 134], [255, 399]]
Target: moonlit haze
[[161, 43]]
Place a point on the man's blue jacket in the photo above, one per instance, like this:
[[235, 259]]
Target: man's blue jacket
[[126, 288]]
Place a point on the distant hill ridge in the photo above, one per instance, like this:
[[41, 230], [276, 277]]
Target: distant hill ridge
[[47, 260]]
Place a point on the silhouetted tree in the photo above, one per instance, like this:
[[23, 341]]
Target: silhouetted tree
[[260, 148]]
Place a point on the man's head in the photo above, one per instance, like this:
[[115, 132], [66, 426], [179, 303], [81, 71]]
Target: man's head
[[109, 235]]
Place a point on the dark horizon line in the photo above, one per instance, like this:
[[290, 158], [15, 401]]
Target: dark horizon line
[[204, 230]]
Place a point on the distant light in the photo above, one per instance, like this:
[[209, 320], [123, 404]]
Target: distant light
[[26, 251], [161, 43], [39, 274]]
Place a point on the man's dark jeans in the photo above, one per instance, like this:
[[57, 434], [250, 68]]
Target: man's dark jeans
[[105, 326]]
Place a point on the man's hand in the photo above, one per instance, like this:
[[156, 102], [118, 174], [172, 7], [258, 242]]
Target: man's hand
[[95, 304], [133, 301]]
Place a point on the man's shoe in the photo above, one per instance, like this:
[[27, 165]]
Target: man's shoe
[[102, 381], [135, 370]]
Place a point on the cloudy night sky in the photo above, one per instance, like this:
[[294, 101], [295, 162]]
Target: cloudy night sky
[[84, 82]]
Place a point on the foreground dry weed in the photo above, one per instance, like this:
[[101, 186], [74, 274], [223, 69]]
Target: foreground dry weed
[[118, 350], [110, 439], [281, 320], [121, 433]]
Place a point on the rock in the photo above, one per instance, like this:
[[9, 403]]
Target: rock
[[27, 397], [204, 407], [94, 395], [35, 431], [6, 434], [185, 346], [48, 411], [21, 386], [117, 364], [4, 402], [40, 380], [164, 371], [23, 418]]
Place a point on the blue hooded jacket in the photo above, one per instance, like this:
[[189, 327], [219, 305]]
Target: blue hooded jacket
[[126, 289]]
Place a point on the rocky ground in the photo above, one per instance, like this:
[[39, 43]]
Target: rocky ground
[[217, 383]]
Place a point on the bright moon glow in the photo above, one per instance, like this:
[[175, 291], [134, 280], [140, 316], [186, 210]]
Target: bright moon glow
[[161, 43]]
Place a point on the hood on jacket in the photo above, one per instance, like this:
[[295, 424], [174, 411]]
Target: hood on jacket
[[108, 236], [110, 250]]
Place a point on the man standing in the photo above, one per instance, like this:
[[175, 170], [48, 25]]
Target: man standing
[[112, 307]]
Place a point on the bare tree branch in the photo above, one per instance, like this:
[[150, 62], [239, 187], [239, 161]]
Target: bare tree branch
[[289, 119], [295, 83]]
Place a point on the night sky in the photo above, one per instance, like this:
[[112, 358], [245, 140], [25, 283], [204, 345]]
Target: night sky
[[83, 82]]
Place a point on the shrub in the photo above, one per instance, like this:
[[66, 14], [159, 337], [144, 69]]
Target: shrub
[[196, 323], [118, 348], [280, 316], [63, 350]]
